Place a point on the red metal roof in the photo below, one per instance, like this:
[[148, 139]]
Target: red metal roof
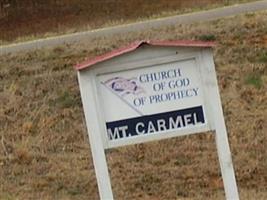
[[135, 45]]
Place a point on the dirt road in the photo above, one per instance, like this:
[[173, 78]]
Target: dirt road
[[179, 19]]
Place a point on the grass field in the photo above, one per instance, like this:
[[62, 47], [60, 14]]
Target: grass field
[[31, 19], [44, 150]]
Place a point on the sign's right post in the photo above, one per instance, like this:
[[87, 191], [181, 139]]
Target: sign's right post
[[215, 112]]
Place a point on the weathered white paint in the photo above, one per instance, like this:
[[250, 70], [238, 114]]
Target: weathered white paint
[[224, 154], [97, 148]]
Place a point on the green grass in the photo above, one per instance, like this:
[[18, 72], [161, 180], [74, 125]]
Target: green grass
[[207, 37], [64, 100], [255, 80], [263, 57]]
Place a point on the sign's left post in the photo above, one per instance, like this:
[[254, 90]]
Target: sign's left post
[[94, 133]]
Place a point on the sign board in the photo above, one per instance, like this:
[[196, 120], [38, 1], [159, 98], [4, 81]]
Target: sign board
[[152, 100], [150, 91]]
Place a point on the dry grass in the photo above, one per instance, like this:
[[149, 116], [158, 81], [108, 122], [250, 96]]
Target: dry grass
[[44, 151], [31, 19]]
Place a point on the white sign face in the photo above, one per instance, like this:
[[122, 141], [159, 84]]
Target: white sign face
[[152, 100]]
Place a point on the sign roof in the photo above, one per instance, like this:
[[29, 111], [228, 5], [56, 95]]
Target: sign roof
[[133, 46]]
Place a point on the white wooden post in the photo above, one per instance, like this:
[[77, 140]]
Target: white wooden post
[[222, 144], [97, 148]]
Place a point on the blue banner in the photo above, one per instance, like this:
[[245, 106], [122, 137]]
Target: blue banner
[[150, 124]]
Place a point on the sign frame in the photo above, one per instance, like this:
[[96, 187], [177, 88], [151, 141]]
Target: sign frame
[[212, 110], [137, 65]]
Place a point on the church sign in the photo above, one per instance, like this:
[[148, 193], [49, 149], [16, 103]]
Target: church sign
[[151, 90]]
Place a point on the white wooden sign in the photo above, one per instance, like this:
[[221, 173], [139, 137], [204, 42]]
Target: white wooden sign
[[150, 91]]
